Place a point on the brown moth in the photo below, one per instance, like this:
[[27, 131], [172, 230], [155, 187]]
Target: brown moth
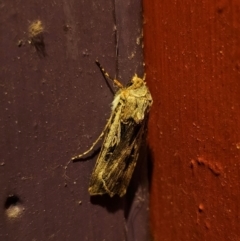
[[123, 135]]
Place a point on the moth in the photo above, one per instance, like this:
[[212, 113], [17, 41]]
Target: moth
[[123, 135]]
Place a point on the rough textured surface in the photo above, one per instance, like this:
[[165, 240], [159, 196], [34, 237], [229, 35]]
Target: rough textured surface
[[54, 104], [192, 64]]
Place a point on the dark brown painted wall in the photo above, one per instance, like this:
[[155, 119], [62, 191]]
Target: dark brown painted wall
[[192, 57], [53, 105]]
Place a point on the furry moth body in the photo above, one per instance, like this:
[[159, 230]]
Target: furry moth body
[[123, 135]]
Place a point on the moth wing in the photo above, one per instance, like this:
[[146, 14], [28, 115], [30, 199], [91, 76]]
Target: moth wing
[[113, 174]]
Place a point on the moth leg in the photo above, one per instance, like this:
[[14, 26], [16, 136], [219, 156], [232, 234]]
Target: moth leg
[[86, 152], [115, 81], [81, 155]]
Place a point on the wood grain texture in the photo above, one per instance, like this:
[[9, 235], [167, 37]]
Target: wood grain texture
[[193, 68], [53, 106]]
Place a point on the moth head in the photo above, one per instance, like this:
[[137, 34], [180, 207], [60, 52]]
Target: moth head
[[137, 82]]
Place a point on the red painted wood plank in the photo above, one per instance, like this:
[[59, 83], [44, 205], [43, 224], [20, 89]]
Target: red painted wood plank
[[193, 69]]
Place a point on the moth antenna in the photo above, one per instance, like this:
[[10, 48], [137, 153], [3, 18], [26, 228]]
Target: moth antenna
[[106, 75], [144, 77]]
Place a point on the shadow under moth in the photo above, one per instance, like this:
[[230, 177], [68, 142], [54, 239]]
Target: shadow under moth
[[123, 135]]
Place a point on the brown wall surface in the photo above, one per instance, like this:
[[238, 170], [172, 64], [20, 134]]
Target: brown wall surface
[[192, 57], [54, 103]]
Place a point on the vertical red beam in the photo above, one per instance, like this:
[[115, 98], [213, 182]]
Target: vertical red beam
[[192, 60]]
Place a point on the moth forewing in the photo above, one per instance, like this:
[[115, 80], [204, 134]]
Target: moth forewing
[[119, 168], [118, 156]]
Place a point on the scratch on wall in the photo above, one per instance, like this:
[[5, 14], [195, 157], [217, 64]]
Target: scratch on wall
[[214, 167], [72, 45]]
